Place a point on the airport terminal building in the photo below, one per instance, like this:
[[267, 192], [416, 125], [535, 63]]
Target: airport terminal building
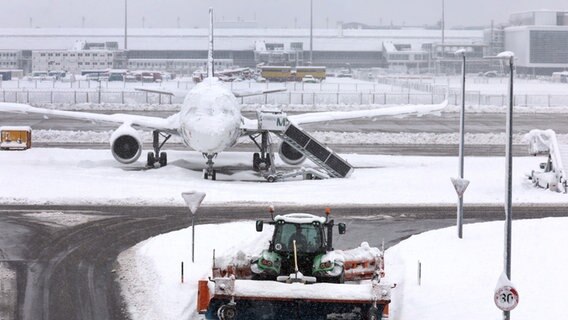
[[334, 48], [538, 38]]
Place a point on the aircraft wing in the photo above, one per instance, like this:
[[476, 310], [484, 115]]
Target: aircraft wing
[[170, 124], [345, 115], [175, 93], [255, 92]]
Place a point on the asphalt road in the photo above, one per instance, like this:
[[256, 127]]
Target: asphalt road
[[66, 272], [448, 122]]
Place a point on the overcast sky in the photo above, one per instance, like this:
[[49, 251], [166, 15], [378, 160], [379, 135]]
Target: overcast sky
[[268, 13]]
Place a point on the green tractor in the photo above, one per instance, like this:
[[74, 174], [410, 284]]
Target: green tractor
[[302, 244]]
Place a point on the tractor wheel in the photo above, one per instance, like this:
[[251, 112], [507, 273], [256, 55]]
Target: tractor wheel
[[373, 314], [227, 312]]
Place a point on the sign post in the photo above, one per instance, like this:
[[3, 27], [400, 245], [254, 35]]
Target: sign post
[[460, 184], [509, 58], [506, 296], [193, 200]]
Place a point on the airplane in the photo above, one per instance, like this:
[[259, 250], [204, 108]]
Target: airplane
[[209, 121]]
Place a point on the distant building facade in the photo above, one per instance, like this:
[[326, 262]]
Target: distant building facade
[[83, 56], [176, 47], [177, 66], [539, 40], [15, 60]]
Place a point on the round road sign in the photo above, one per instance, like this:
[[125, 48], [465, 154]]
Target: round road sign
[[506, 298]]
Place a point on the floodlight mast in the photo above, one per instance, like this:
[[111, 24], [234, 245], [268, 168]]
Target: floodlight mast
[[311, 31], [125, 24]]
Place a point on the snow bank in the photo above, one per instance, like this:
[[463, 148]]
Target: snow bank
[[92, 177], [150, 272], [328, 137], [459, 276]]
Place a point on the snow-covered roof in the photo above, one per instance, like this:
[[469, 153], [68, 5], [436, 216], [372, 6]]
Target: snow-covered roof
[[15, 128], [299, 218], [225, 39]]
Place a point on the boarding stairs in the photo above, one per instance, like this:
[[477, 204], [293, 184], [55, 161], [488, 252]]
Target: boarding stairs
[[275, 121], [322, 156], [555, 171]]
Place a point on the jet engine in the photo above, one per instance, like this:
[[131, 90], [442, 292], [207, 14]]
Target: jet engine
[[290, 155], [126, 144]]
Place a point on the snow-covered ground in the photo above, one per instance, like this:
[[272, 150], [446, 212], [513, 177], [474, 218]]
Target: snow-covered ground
[[75, 176], [458, 277]]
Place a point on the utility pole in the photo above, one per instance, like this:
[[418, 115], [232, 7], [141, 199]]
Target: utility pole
[[311, 31], [509, 172], [443, 23], [125, 24], [508, 57]]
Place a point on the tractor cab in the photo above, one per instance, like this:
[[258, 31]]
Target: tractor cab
[[302, 239]]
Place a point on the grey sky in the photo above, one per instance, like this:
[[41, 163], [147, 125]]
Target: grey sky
[[268, 13]]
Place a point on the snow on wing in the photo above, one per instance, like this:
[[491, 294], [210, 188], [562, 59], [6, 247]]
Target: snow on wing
[[345, 115], [170, 124], [255, 92]]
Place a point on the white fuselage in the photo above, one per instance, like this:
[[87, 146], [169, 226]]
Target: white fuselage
[[210, 117]]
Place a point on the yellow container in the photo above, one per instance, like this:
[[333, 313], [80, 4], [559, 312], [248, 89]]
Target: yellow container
[[15, 138]]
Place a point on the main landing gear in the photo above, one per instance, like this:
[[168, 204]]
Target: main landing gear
[[263, 160], [158, 157], [209, 171]]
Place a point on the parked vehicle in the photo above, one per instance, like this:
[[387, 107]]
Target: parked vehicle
[[309, 79]]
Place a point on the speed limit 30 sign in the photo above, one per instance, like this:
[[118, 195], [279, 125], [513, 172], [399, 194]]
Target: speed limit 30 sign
[[506, 298]]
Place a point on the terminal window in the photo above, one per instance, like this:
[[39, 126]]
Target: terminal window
[[548, 46]]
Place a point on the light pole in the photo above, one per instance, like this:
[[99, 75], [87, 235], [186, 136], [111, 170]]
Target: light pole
[[125, 24], [509, 58], [311, 31], [460, 184]]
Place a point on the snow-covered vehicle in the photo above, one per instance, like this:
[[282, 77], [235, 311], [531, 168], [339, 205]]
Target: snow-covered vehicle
[[311, 237], [309, 79], [552, 175], [299, 276]]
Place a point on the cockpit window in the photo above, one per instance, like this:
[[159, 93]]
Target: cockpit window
[[221, 105]]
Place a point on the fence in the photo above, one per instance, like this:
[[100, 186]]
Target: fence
[[384, 92], [280, 98]]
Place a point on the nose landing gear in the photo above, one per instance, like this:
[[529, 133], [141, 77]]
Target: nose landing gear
[[209, 171]]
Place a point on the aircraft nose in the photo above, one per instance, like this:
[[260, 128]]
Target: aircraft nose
[[211, 135]]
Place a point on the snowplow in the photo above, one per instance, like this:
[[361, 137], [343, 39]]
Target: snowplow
[[299, 276]]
